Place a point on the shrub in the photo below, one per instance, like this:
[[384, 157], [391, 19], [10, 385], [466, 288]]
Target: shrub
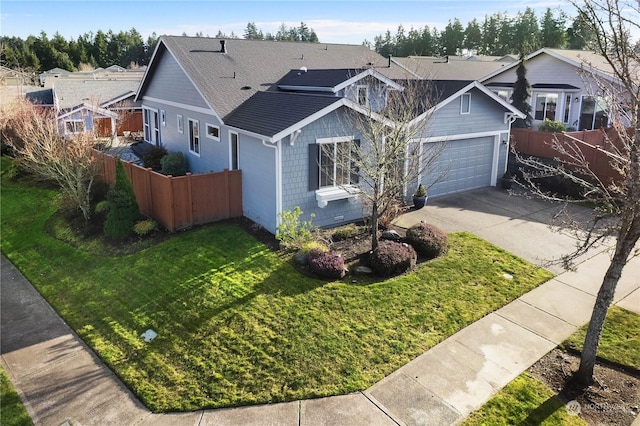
[[102, 207], [145, 227], [392, 258], [428, 240], [292, 233], [552, 126], [344, 232], [326, 264], [174, 164], [123, 207], [314, 245], [153, 156]]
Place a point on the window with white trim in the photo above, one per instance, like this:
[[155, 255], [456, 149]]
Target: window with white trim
[[213, 132], [337, 163], [74, 126], [546, 104], [233, 151], [362, 93], [465, 103], [180, 124], [151, 126], [194, 136]]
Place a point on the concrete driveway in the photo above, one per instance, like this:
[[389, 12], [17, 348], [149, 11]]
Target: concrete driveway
[[516, 222]]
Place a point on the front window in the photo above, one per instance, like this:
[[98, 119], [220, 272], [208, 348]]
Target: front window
[[151, 126], [546, 106], [337, 164], [213, 132], [194, 136], [363, 95], [465, 103], [593, 113], [74, 126]]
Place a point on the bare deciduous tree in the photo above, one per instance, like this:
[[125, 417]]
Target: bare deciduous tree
[[32, 131], [617, 212], [389, 156]]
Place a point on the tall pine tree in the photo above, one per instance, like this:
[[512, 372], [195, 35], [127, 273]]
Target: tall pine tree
[[521, 95]]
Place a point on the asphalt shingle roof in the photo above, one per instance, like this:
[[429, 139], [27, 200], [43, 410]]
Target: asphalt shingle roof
[[72, 93], [317, 78], [454, 68], [268, 113], [223, 78]]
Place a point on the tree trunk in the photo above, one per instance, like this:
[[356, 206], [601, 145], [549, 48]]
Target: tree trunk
[[374, 225], [627, 238]]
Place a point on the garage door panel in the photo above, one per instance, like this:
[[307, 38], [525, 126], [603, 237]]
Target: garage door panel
[[469, 163]]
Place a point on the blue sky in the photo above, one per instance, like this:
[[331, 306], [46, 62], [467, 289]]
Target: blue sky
[[334, 21]]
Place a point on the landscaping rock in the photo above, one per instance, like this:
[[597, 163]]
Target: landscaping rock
[[390, 234], [363, 270], [301, 258]]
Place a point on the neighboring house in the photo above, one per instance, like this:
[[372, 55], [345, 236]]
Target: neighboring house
[[267, 108], [562, 86], [92, 105], [452, 67], [114, 72]]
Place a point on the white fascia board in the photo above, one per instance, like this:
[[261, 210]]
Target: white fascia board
[[118, 99], [181, 105], [91, 108], [366, 73], [473, 84], [460, 136]]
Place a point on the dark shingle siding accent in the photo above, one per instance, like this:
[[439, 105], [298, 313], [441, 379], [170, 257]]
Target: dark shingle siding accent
[[268, 113]]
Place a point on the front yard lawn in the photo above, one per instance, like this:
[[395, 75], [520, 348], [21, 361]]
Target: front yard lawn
[[237, 323]]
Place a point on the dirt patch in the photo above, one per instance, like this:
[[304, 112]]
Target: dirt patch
[[614, 399]]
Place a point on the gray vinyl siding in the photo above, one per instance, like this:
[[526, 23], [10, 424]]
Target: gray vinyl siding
[[295, 176], [214, 155], [485, 116], [258, 165], [171, 83]]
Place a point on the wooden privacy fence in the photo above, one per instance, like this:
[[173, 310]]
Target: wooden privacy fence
[[183, 201], [539, 144]]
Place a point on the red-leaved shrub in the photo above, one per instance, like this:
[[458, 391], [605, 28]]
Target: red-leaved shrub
[[428, 240], [392, 258], [326, 264]]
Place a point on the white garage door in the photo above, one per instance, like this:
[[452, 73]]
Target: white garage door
[[468, 164]]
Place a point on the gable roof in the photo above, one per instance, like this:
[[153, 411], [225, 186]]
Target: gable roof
[[586, 59], [450, 67], [71, 93], [270, 113], [227, 79]]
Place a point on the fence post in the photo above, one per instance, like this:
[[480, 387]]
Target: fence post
[[172, 204], [190, 199]]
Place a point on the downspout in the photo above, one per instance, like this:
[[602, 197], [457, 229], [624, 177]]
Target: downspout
[[512, 118], [278, 152]]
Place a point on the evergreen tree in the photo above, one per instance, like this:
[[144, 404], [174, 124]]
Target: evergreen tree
[[452, 38], [521, 95], [553, 29], [473, 37], [123, 207]]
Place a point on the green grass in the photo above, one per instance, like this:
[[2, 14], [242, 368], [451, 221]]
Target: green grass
[[619, 340], [528, 401], [12, 412], [524, 401], [237, 323]]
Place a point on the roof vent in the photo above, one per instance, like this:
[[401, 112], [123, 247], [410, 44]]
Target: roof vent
[[303, 69], [223, 46]]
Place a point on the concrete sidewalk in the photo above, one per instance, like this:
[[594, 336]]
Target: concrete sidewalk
[[61, 380]]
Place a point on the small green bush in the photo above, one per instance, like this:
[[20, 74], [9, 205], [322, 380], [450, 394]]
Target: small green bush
[[552, 126], [123, 207], [344, 232], [392, 258], [102, 207], [421, 191], [292, 233], [314, 245], [428, 240], [145, 227], [153, 156], [174, 164], [326, 264]]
